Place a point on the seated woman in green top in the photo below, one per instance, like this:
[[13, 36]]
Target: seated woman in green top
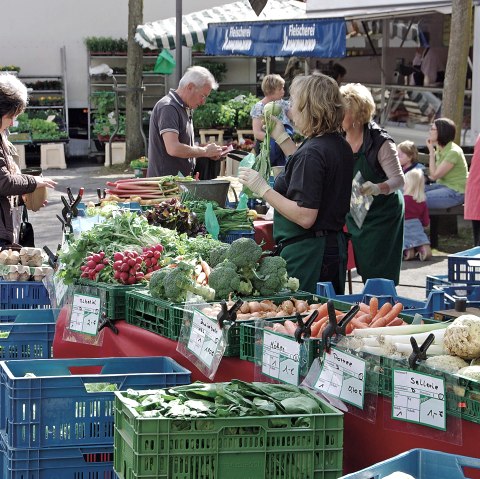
[[447, 166]]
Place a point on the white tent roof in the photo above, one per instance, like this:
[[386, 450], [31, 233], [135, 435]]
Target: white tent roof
[[162, 33], [369, 9]]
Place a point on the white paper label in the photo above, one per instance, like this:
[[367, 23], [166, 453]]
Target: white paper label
[[85, 314], [281, 358], [343, 376], [419, 398], [205, 336]]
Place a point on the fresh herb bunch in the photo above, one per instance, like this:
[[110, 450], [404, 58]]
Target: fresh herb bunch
[[172, 214]]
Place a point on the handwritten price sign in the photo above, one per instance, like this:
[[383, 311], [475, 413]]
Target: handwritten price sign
[[204, 338]]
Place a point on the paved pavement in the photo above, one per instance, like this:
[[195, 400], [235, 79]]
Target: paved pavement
[[48, 228]]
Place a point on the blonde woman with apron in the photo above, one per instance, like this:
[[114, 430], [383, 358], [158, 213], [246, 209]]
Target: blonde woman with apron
[[312, 196]]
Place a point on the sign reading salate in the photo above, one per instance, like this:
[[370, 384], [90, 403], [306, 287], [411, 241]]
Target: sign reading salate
[[307, 38]]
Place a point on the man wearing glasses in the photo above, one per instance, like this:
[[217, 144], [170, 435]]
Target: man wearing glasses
[[171, 147]]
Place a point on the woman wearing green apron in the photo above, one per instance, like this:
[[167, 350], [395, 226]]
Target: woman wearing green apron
[[378, 242], [312, 195]]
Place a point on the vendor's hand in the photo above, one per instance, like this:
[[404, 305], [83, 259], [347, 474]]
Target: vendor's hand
[[278, 133], [369, 188], [43, 182], [253, 180], [430, 146], [212, 150]]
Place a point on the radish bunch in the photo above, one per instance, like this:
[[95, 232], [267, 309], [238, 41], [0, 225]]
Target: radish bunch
[[127, 267], [151, 257], [94, 264]]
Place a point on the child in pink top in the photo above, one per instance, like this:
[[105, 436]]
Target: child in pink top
[[415, 241]]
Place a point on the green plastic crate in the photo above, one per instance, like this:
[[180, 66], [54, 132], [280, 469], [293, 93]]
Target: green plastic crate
[[248, 334], [112, 296], [463, 395], [233, 447], [166, 318]]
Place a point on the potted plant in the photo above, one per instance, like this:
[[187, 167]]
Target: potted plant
[[13, 69], [139, 166]]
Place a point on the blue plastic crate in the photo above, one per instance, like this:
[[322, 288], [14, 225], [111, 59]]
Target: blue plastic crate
[[23, 295], [30, 335], [233, 235], [384, 290], [421, 464], [61, 462], [53, 408], [464, 267], [435, 281]]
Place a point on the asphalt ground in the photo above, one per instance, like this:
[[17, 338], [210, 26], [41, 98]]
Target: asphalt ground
[[48, 229]]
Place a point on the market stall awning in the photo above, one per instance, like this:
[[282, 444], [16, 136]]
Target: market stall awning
[[369, 9], [161, 34]]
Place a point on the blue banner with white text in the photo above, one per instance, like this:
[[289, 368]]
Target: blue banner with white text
[[323, 38]]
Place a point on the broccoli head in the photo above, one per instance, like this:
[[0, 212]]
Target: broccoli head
[[244, 253], [218, 254], [271, 276], [224, 279], [174, 284], [156, 287]]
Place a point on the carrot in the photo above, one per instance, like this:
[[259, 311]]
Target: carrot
[[322, 311], [290, 326], [357, 324], [395, 322], [364, 307], [382, 311], [394, 312], [315, 328], [364, 318], [373, 306], [205, 267], [279, 328], [379, 323]]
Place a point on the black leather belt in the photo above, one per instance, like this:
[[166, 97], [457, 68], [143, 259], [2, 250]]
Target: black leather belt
[[310, 234]]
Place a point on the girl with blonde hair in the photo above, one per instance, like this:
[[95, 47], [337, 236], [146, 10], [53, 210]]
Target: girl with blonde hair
[[415, 241]]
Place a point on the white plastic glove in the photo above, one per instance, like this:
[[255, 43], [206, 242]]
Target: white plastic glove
[[369, 188], [253, 180], [278, 133]]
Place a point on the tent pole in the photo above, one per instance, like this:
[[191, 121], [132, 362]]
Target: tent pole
[[385, 45], [178, 41]]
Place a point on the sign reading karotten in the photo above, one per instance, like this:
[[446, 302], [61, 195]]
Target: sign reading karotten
[[306, 38]]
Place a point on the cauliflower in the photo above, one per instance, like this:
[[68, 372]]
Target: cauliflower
[[462, 337], [472, 372], [244, 253], [447, 363]]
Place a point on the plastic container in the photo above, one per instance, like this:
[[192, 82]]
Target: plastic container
[[453, 291], [165, 318], [23, 295], [61, 462], [384, 290], [464, 267], [421, 464], [53, 408], [431, 281], [213, 190], [112, 296], [230, 447], [30, 334], [233, 235]]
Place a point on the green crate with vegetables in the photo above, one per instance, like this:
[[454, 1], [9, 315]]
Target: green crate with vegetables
[[166, 318], [112, 296], [234, 430]]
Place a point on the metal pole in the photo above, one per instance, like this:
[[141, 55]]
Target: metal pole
[[178, 41]]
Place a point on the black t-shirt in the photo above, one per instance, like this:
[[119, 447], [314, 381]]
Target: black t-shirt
[[319, 176]]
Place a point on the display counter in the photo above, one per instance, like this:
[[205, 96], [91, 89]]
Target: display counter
[[365, 443]]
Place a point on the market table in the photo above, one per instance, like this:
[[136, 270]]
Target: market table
[[264, 233], [365, 443]]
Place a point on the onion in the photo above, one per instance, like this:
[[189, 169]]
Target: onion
[[255, 307], [301, 306], [245, 307], [287, 307]]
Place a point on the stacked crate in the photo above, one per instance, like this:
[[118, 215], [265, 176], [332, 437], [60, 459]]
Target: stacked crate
[[56, 415]]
